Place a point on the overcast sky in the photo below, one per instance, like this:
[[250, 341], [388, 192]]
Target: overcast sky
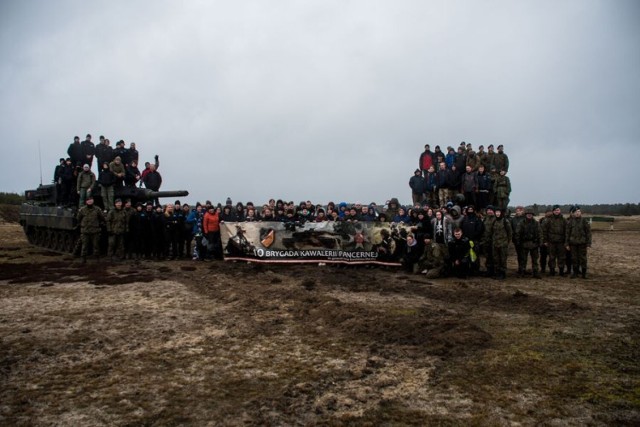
[[327, 100]]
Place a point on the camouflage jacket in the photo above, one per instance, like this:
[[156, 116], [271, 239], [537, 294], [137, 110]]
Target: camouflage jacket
[[554, 229], [488, 226], [501, 161], [501, 232], [578, 232], [117, 169], [85, 180], [117, 221], [528, 234], [89, 219], [433, 256], [515, 222], [502, 186]]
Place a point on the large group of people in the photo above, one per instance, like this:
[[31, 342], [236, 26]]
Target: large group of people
[[455, 227], [481, 177], [116, 168]]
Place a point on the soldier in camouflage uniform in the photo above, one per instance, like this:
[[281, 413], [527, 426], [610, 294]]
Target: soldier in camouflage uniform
[[528, 237], [117, 226], [84, 184], [502, 189], [129, 245], [544, 250], [515, 222], [89, 218], [432, 261], [553, 235], [501, 234], [577, 240], [501, 160], [490, 159], [487, 242]]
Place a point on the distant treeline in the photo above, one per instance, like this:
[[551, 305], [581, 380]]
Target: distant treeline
[[11, 198], [623, 209]]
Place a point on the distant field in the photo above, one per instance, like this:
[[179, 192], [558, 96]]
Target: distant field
[[620, 223], [9, 213]]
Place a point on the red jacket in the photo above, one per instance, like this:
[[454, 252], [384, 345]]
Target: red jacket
[[211, 222]]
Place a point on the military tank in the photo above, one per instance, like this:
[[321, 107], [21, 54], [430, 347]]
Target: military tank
[[54, 227]]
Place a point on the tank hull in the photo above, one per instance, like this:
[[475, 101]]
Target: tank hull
[[50, 227], [56, 227]]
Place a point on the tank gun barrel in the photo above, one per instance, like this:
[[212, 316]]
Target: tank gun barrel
[[175, 193], [141, 194]]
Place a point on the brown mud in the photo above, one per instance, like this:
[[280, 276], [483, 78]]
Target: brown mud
[[215, 343]]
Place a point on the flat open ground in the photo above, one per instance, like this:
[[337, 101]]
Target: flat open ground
[[187, 343]]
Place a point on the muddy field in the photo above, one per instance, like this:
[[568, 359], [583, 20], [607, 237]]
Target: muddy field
[[187, 343]]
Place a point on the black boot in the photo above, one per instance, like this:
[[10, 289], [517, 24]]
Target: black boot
[[574, 272], [562, 273], [552, 272], [536, 275], [584, 272]]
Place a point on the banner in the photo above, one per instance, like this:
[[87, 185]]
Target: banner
[[328, 242]]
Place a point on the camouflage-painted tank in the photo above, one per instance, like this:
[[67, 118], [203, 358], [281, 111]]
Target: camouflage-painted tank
[[55, 227]]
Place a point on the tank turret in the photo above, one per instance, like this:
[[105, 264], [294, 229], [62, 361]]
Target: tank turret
[[55, 227]]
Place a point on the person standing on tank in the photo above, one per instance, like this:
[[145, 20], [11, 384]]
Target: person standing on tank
[[84, 184], [88, 150], [75, 152], [152, 180]]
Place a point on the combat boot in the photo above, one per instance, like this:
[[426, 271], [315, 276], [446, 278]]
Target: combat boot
[[520, 272], [584, 273], [536, 275], [552, 272], [574, 273], [562, 273]]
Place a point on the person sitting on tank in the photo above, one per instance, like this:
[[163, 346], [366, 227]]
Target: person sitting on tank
[[132, 174], [119, 171]]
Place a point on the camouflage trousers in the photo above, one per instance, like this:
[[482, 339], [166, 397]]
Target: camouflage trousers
[[500, 257], [535, 256], [557, 255], [502, 202], [107, 197], [116, 245], [579, 256], [521, 256], [90, 239]]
